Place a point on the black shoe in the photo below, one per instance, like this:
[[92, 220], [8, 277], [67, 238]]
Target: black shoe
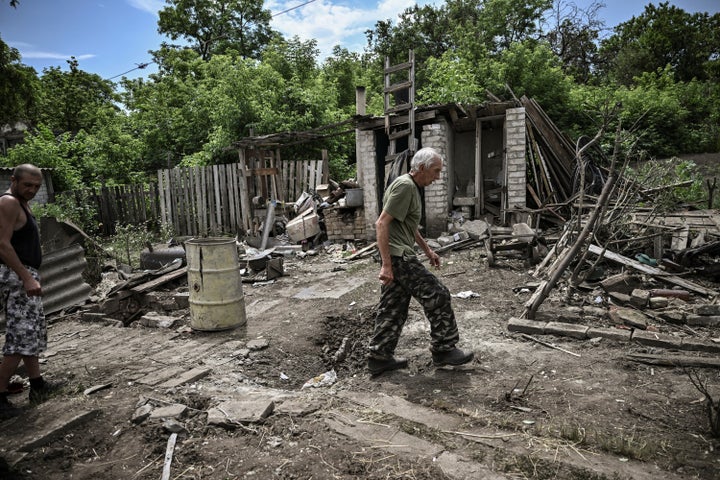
[[48, 389], [452, 357], [378, 366], [8, 410]]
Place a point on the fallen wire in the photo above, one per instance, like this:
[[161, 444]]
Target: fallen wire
[[477, 435], [549, 345]]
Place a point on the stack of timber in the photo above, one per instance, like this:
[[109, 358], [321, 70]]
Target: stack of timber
[[551, 158]]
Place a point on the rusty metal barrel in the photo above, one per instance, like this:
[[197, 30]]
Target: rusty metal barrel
[[216, 297]]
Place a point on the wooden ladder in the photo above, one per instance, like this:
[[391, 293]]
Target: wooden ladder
[[396, 127]]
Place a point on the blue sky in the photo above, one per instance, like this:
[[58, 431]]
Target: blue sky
[[112, 37]]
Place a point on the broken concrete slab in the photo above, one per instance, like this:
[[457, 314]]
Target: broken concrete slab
[[629, 317], [597, 312], [708, 309], [703, 320], [141, 414], [258, 344], [654, 339], [186, 377], [244, 411], [619, 298], [572, 330], [56, 428], [299, 406], [476, 229], [532, 327], [176, 410], [161, 375], [623, 283], [640, 297], [381, 436], [658, 302], [695, 345], [404, 409], [156, 320], [456, 467], [616, 334]]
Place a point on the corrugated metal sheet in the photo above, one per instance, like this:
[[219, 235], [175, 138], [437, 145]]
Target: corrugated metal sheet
[[61, 279]]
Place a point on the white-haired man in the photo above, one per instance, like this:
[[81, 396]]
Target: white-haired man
[[404, 277]]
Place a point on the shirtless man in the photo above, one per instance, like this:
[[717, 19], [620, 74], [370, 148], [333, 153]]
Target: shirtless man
[[20, 290]]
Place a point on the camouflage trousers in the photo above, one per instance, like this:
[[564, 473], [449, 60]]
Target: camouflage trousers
[[26, 330], [412, 280]]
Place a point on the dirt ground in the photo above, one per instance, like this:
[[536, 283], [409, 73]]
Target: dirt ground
[[520, 410]]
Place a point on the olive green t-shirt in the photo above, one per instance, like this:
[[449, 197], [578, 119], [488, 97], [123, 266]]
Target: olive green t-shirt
[[402, 202]]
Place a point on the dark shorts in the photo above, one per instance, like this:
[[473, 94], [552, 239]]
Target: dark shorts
[[26, 327]]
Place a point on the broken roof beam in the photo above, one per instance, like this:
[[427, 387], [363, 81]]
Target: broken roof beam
[[656, 272]]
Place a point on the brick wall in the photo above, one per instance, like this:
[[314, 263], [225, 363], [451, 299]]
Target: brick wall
[[516, 174], [345, 223], [366, 172], [437, 201]]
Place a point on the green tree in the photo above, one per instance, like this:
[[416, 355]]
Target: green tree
[[572, 33], [663, 35], [294, 59], [18, 87], [43, 149], [74, 100], [217, 26]]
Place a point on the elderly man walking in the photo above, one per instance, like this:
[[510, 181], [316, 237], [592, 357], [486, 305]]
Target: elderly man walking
[[404, 277]]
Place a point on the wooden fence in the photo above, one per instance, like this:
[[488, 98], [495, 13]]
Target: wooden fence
[[124, 204], [202, 201], [218, 199], [205, 201]]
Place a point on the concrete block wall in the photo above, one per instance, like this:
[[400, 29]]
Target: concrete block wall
[[516, 174], [366, 165], [345, 223], [437, 200]]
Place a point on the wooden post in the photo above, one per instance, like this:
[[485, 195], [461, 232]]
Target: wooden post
[[326, 167], [244, 197], [479, 177]]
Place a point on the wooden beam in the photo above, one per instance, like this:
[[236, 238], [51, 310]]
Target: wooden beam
[[656, 272]]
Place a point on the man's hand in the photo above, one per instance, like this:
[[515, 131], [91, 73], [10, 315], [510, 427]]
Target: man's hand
[[434, 259], [386, 274], [32, 287]]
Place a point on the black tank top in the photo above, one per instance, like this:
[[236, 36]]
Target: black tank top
[[26, 240]]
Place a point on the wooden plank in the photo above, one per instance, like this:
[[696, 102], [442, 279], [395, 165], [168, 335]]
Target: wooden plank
[[218, 199], [164, 218], [326, 167], [318, 174], [233, 199], [177, 203], [656, 272], [189, 192], [274, 180], [245, 197], [479, 191], [225, 207], [396, 87], [200, 201], [679, 240], [674, 360], [210, 193], [398, 67], [262, 172], [156, 282], [298, 178], [187, 204], [400, 134]]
